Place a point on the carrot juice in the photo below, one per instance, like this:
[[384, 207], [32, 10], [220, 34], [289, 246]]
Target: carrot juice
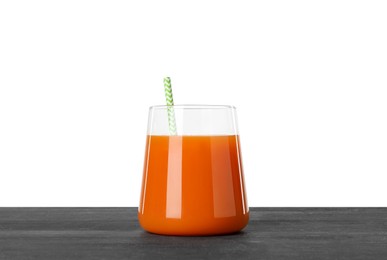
[[193, 185]]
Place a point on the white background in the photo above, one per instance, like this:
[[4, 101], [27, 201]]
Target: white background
[[309, 79]]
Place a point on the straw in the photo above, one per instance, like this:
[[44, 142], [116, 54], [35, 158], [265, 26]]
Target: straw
[[171, 111]]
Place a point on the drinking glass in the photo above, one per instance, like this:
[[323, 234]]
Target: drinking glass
[[193, 181]]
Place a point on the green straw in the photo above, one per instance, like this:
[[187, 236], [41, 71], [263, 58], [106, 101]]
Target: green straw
[[171, 111]]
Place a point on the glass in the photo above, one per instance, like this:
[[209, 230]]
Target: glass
[[193, 181]]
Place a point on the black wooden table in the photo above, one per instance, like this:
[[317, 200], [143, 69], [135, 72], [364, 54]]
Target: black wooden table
[[273, 233]]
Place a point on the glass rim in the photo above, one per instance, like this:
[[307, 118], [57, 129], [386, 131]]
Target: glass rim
[[193, 106]]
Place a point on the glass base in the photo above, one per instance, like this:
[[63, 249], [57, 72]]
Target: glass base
[[198, 227]]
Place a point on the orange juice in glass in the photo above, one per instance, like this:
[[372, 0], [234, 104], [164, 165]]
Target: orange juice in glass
[[193, 180]]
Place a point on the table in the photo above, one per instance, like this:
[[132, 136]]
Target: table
[[114, 233]]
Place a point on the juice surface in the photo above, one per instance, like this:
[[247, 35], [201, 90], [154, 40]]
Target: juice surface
[[193, 185]]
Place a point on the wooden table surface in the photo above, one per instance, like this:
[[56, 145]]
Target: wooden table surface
[[114, 233]]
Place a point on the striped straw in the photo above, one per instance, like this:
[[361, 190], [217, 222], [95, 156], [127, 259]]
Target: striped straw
[[171, 111]]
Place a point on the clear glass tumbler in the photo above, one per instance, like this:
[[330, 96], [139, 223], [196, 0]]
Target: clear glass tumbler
[[193, 180]]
